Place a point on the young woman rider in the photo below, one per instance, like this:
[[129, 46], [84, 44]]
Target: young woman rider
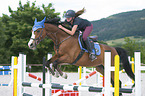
[[81, 24]]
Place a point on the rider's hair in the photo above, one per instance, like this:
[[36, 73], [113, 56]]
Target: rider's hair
[[80, 12]]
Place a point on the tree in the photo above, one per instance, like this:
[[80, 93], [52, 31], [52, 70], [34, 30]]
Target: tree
[[3, 52], [131, 46], [18, 31]]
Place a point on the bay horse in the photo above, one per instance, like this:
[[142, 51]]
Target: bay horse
[[67, 50]]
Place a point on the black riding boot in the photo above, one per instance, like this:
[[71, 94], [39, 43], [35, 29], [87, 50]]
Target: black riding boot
[[90, 47]]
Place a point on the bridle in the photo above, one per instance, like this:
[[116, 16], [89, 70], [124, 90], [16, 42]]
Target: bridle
[[54, 34], [37, 40], [57, 44]]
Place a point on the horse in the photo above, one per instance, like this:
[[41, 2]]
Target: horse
[[67, 50]]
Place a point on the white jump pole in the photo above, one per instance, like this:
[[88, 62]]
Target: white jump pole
[[107, 62], [138, 69], [21, 72], [12, 71], [48, 91], [84, 74]]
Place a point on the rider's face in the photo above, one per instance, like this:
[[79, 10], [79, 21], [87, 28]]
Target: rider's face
[[69, 19]]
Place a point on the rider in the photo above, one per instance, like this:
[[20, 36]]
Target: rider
[[81, 24]]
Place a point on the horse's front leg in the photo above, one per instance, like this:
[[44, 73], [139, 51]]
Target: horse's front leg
[[55, 64], [48, 62]]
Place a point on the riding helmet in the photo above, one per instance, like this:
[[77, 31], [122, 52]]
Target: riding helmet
[[69, 14]]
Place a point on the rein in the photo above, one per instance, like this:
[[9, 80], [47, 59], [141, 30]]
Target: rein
[[56, 41], [58, 44]]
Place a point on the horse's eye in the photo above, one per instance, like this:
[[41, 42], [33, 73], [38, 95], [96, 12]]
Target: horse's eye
[[38, 31]]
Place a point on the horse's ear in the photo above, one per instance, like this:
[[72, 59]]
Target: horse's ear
[[43, 20], [35, 20]]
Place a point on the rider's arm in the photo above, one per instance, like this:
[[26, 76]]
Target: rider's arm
[[71, 32]]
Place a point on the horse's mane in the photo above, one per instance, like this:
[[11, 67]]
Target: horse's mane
[[55, 21]]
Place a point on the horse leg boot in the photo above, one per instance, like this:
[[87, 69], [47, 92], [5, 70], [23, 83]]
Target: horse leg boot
[[90, 47], [62, 74], [47, 64]]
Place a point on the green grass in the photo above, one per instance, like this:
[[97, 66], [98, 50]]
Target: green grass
[[121, 41]]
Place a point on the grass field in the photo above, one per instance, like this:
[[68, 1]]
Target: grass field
[[119, 42]]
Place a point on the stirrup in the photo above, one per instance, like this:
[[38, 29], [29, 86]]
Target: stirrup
[[92, 56]]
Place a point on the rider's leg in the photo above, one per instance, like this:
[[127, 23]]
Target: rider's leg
[[86, 33], [90, 47]]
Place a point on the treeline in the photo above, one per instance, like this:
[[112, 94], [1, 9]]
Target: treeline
[[16, 29], [120, 25], [131, 46]]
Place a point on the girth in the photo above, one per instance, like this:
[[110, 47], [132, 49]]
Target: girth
[[78, 57]]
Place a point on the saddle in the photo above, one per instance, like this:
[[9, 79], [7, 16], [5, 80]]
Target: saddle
[[93, 39]]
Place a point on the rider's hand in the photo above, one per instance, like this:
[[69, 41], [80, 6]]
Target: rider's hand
[[60, 26]]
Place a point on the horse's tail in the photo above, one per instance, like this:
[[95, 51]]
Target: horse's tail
[[124, 59]]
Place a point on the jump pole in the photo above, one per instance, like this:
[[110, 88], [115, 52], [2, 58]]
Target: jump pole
[[15, 76], [78, 82], [43, 89], [34, 76], [84, 78], [116, 76], [21, 72], [132, 66], [63, 87], [107, 75], [80, 73], [12, 71], [48, 91], [108, 69], [138, 69]]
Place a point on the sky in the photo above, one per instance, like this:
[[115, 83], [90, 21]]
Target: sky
[[95, 9]]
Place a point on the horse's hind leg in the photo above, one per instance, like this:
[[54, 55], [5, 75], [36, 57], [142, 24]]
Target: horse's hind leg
[[100, 68]]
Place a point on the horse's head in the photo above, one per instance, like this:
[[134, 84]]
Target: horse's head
[[38, 34]]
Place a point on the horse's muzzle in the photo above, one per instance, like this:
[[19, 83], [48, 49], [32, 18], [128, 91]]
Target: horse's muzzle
[[32, 45]]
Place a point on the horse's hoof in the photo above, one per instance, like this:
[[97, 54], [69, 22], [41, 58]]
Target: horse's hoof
[[51, 73], [64, 75], [56, 75], [133, 85]]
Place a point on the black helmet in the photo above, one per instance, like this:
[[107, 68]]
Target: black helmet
[[69, 13]]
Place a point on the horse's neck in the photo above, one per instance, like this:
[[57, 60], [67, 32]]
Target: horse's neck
[[55, 33]]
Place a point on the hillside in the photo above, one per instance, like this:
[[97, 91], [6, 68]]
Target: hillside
[[120, 25], [119, 42]]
